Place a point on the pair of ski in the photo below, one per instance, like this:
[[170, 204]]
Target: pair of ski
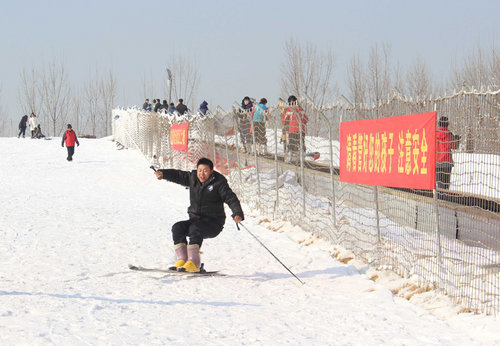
[[202, 272]]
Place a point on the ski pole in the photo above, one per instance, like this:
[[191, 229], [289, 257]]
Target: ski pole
[[277, 259]]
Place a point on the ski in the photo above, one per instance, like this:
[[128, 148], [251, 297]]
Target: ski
[[174, 272]]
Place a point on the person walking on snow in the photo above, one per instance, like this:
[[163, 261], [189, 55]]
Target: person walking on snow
[[208, 191], [70, 138]]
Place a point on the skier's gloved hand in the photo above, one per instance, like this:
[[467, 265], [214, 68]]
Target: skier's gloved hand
[[62, 145]]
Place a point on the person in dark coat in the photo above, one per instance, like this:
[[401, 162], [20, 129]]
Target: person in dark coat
[[22, 126], [181, 107], [146, 106], [165, 106], [157, 105], [208, 191], [204, 107], [70, 139], [244, 123]]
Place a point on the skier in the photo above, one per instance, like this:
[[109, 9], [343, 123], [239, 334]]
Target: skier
[[22, 126], [208, 191], [70, 138]]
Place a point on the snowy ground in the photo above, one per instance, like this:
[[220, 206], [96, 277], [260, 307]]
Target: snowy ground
[[69, 230]]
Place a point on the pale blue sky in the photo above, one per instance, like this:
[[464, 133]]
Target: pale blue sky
[[238, 45]]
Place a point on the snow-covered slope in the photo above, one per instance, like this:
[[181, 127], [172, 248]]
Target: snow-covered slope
[[68, 230]]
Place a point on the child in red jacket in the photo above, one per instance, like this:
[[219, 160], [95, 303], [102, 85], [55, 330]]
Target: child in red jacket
[[70, 138]]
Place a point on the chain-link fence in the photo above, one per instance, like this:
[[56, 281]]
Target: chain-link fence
[[449, 238]]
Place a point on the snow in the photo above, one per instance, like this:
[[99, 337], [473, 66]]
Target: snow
[[70, 229]]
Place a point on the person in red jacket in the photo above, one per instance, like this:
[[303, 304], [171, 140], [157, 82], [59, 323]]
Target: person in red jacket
[[294, 120], [70, 138], [445, 143]]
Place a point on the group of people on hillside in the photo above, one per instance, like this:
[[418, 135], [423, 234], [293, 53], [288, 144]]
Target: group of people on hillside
[[180, 108], [69, 137], [34, 125], [252, 125]]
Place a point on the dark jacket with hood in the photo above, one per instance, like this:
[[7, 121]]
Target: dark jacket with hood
[[204, 107], [207, 199], [22, 123]]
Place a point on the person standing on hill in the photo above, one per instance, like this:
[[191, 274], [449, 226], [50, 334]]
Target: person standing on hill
[[33, 122], [208, 191], [22, 126], [70, 138]]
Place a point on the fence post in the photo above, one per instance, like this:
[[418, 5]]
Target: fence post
[[276, 164], [436, 221], [375, 195], [254, 148]]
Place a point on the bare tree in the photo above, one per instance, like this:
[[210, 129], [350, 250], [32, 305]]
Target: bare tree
[[3, 122], [185, 78], [418, 80], [379, 74], [28, 95], [480, 69], [55, 92], [77, 110], [307, 72], [356, 81], [107, 91], [92, 102]]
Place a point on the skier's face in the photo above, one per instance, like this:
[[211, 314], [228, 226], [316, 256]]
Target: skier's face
[[203, 173]]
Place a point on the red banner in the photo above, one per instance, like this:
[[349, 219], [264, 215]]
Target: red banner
[[179, 136], [397, 151]]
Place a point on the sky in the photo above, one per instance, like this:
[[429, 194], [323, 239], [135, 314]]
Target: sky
[[68, 239], [237, 45]]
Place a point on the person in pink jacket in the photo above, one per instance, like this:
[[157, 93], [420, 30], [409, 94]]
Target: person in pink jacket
[[70, 139]]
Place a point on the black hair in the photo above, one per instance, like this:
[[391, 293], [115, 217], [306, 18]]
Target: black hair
[[291, 99], [246, 98], [263, 100], [205, 161], [443, 122], [181, 100]]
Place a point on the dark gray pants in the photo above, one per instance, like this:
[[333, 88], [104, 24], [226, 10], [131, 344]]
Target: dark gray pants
[[443, 174], [71, 151], [196, 230]]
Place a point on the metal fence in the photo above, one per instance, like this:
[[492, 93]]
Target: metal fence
[[448, 239]]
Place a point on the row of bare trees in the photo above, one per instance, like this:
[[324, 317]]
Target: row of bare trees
[[308, 73], [48, 93]]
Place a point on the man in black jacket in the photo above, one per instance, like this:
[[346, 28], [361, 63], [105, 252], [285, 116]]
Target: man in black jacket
[[181, 107], [208, 191]]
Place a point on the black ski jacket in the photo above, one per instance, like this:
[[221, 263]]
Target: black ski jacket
[[207, 199]]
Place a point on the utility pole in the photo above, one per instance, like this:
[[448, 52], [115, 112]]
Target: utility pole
[[169, 73]]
